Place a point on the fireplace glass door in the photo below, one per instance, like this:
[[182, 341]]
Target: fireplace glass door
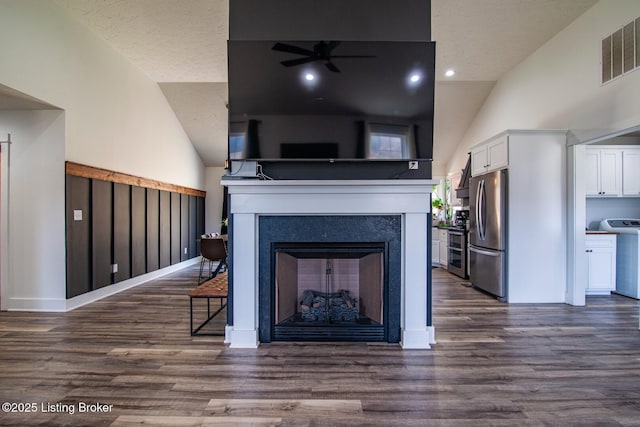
[[329, 287]]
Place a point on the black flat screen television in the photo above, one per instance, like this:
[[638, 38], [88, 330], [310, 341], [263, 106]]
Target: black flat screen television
[[316, 100]]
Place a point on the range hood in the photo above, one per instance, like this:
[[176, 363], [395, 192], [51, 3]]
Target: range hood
[[462, 192]]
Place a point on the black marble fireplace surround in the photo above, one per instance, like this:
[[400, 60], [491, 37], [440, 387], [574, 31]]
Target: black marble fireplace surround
[[330, 233]]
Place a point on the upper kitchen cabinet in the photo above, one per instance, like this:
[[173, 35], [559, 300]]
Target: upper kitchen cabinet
[[631, 172], [490, 155], [604, 176], [613, 171]]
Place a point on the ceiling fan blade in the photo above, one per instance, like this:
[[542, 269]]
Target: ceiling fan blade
[[332, 45], [332, 67], [299, 61], [353, 56], [288, 48]]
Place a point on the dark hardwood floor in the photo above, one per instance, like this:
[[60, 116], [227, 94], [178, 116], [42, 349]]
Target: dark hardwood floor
[[493, 364]]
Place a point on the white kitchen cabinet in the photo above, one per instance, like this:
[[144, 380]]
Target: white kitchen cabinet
[[443, 241], [601, 261], [490, 155], [631, 172], [604, 172], [435, 247]]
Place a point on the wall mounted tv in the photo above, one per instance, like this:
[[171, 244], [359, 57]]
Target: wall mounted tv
[[331, 100]]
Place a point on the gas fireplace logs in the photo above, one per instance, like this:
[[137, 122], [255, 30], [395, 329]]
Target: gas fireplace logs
[[320, 306]]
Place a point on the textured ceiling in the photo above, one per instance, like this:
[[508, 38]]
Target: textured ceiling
[[170, 40], [183, 42], [483, 39]]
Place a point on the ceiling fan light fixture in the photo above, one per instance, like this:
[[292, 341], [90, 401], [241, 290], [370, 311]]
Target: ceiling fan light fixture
[[309, 78], [414, 78]]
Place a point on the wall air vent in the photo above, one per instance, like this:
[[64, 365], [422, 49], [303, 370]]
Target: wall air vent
[[621, 51]]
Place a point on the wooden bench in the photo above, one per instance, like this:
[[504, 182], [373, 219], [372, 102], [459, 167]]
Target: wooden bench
[[216, 287]]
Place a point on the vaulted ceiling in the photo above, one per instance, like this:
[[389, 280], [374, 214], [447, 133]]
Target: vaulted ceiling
[[181, 44]]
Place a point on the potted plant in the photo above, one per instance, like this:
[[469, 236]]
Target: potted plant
[[438, 206]]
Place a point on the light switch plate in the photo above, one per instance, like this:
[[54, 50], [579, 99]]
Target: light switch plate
[[77, 215]]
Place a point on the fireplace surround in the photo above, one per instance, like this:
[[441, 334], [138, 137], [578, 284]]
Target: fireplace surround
[[394, 214]]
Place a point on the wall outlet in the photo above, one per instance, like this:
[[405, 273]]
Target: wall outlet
[[114, 268], [413, 165], [77, 215]]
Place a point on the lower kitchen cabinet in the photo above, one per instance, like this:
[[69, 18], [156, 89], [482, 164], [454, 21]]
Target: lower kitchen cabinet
[[601, 261], [435, 247], [443, 239]]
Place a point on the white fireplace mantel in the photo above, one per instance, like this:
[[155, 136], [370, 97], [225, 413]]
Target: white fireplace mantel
[[408, 198]]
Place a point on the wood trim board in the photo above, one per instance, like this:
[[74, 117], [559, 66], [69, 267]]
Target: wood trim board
[[77, 169]]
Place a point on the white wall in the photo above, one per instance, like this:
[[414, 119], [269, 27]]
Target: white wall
[[116, 117], [558, 86], [35, 256]]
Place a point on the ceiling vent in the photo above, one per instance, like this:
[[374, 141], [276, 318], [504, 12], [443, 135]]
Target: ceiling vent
[[621, 51]]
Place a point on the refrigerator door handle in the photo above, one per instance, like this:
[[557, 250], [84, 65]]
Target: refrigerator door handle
[[481, 252], [477, 212], [482, 223]]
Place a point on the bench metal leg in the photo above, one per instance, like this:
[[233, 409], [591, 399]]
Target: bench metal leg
[[210, 316]]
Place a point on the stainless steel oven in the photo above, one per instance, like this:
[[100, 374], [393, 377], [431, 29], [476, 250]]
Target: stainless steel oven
[[457, 252]]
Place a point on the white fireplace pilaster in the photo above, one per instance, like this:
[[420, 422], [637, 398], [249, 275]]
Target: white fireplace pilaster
[[408, 198], [244, 333]]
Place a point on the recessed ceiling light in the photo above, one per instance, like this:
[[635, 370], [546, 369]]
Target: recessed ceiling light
[[415, 78], [449, 73], [309, 77]]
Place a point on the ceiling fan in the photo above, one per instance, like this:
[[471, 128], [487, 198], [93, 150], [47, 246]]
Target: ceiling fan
[[321, 52]]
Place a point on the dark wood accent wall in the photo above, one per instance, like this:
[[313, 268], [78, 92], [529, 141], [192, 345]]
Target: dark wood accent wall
[[116, 230], [175, 228], [165, 229], [184, 227], [101, 231], [122, 231], [193, 226], [78, 209], [153, 230], [138, 231]]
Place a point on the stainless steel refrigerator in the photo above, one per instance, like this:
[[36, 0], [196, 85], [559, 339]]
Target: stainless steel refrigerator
[[488, 232]]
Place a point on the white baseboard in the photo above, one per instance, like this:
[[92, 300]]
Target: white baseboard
[[418, 339], [241, 338], [56, 305], [98, 294], [63, 305]]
